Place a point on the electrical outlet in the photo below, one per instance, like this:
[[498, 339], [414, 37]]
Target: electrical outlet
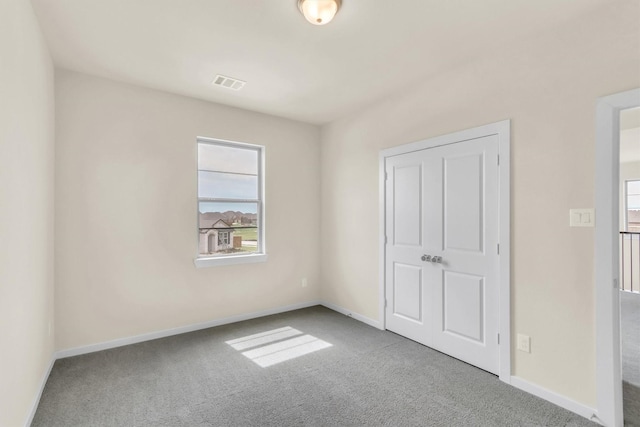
[[304, 282], [524, 343]]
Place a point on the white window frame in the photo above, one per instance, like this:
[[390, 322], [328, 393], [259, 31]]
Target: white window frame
[[242, 258]]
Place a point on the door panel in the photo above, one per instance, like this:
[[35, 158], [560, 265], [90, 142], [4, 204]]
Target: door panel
[[407, 204], [407, 292], [463, 199], [443, 202], [407, 312], [463, 305]]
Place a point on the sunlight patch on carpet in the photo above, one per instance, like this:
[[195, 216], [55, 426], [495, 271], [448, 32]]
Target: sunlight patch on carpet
[[263, 338], [277, 346]]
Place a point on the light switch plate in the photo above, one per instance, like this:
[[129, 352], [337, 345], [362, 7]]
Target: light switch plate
[[524, 343], [582, 217]]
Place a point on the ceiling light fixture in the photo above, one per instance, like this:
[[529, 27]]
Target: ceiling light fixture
[[319, 12]]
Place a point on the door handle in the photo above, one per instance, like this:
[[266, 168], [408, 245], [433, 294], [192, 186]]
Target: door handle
[[426, 258], [434, 259]]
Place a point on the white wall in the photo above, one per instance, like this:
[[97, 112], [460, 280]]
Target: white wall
[[548, 87], [126, 223], [26, 210]]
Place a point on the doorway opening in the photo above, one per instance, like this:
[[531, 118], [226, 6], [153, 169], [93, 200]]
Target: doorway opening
[[629, 214], [608, 248]]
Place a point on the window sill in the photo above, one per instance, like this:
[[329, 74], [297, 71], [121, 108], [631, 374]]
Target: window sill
[[229, 260]]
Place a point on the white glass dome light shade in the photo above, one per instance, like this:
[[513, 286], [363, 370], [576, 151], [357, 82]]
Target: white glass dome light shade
[[319, 12]]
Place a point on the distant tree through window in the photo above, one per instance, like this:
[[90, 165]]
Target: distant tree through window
[[230, 199]]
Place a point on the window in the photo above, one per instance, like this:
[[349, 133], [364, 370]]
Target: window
[[230, 203], [632, 206], [223, 238]]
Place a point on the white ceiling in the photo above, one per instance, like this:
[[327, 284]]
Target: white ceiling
[[293, 69]]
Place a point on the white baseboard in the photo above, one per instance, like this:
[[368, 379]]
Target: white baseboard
[[557, 399], [43, 382], [76, 351], [364, 319]]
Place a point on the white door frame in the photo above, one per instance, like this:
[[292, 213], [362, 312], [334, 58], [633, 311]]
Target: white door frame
[[503, 130], [607, 298]]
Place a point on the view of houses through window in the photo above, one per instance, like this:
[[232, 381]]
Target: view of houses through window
[[229, 198]]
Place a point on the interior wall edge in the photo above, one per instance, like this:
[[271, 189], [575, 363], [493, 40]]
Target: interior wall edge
[[27, 143], [364, 319], [38, 396]]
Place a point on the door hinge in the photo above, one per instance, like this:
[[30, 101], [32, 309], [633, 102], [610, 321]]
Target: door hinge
[[385, 303], [498, 248], [498, 339], [385, 240], [386, 176]]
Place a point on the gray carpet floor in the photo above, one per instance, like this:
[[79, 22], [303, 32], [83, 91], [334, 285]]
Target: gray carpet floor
[[630, 337], [366, 377]]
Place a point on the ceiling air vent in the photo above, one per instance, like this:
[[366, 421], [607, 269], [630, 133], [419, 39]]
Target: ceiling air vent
[[228, 82]]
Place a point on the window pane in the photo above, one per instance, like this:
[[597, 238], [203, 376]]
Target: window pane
[[633, 206], [214, 185], [227, 228], [633, 202], [633, 220], [633, 187], [221, 158]]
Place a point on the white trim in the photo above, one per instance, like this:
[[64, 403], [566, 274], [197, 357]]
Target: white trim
[[503, 130], [497, 128], [364, 319], [43, 382], [76, 351], [229, 260], [557, 399], [607, 190], [382, 238], [229, 143], [504, 182]]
